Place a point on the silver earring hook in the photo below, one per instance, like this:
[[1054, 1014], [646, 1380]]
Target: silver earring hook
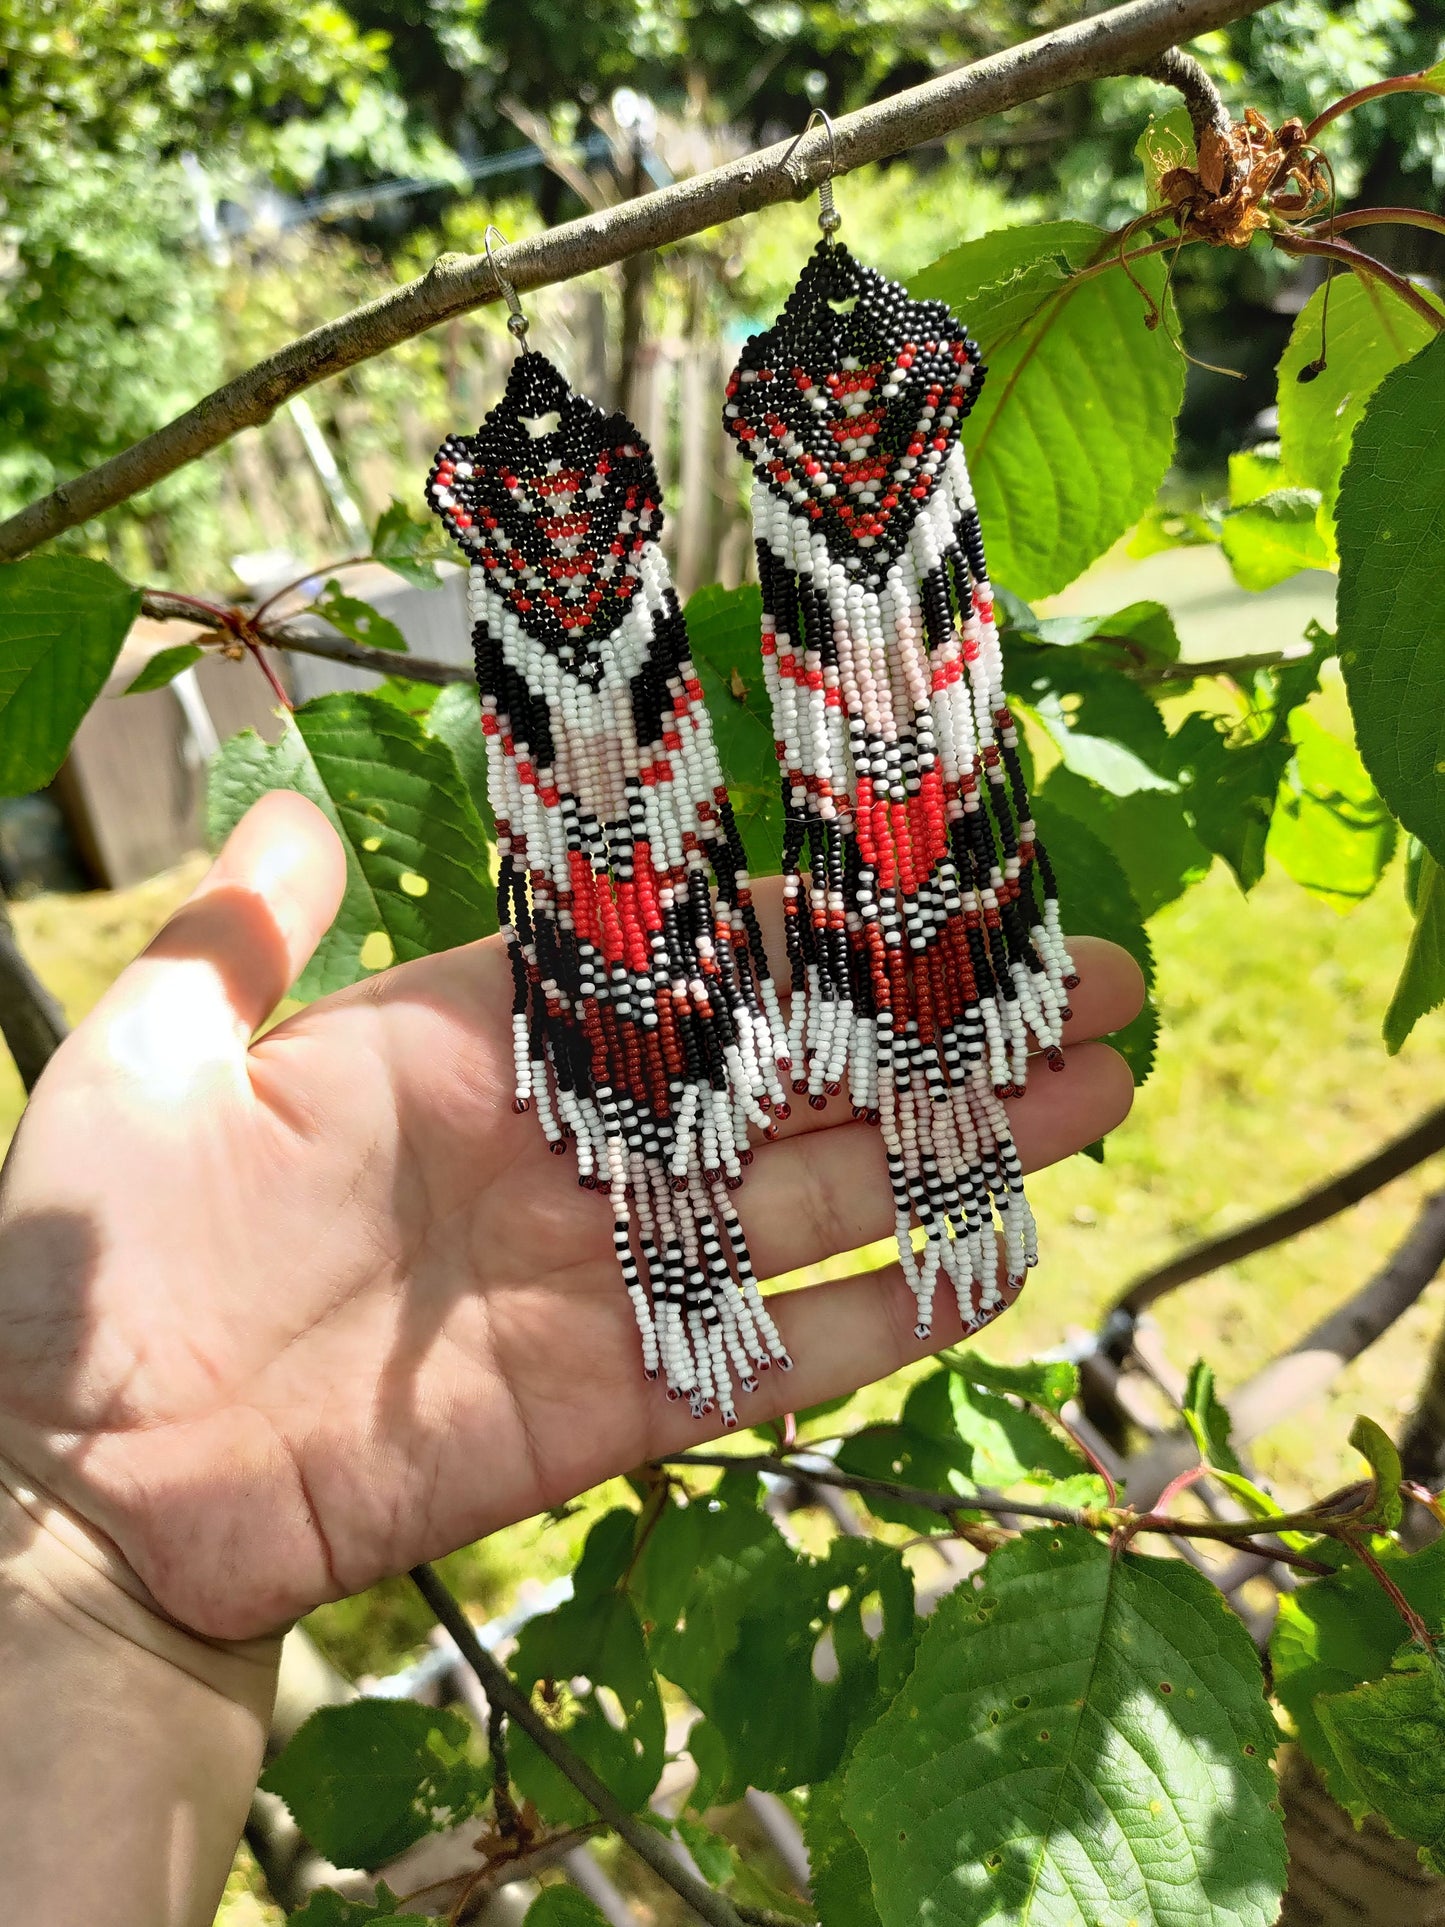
[[517, 323], [829, 219]]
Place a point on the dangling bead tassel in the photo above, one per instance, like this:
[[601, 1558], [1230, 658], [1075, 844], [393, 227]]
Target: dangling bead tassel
[[921, 911], [646, 1030]]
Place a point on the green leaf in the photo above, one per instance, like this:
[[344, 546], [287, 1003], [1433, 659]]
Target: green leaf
[[724, 628], [1097, 902], [744, 1652], [1000, 280], [733, 1549], [563, 1907], [327, 1908], [1084, 1738], [365, 1780], [1333, 1634], [1254, 473], [1147, 832], [1049, 1382], [1166, 143], [455, 717], [1392, 588], [1163, 526], [1208, 1420], [1142, 628], [1106, 727], [408, 544], [416, 698], [352, 617], [1074, 427], [164, 667], [842, 1887], [1389, 1736], [1371, 331], [1275, 537], [418, 864], [1421, 988], [1377, 1449], [709, 1754], [63, 619], [1102, 760], [923, 1449], [896, 1453], [1330, 830], [595, 1641], [716, 1861], [1008, 1445], [1232, 791], [1209, 1423], [1233, 772]]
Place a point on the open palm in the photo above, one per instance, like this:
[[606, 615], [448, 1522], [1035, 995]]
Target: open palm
[[284, 1317]]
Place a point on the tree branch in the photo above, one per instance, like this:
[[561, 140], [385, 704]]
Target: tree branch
[[1181, 71], [31, 1020], [165, 606], [1111, 42], [1304, 1371], [503, 1692], [1391, 1161], [1244, 1533]]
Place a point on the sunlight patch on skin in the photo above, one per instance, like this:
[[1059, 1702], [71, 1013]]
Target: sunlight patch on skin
[[377, 952], [178, 1037]]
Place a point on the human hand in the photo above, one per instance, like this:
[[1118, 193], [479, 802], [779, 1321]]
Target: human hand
[[282, 1318]]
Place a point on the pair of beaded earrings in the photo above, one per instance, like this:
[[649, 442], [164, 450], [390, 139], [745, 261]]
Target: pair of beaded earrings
[[920, 910]]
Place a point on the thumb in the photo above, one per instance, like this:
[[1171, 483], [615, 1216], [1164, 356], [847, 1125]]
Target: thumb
[[228, 955]]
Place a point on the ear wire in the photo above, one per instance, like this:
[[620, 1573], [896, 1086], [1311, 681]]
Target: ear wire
[[829, 219], [517, 322]]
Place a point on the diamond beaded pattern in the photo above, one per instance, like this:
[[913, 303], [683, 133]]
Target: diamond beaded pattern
[[850, 404], [920, 910], [647, 1033], [557, 519]]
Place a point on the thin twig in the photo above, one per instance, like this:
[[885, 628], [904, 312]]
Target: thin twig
[[1233, 666], [165, 605], [1289, 242], [502, 1691], [1114, 41], [263, 609], [1379, 217], [509, 1821], [1418, 1629], [1391, 1161], [949, 1505], [1399, 84], [945, 1504]]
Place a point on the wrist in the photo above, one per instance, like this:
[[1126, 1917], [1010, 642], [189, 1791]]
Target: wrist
[[80, 1585], [141, 1740]]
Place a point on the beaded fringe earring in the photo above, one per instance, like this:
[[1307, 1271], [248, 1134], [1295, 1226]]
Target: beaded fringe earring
[[921, 910], [646, 1028]]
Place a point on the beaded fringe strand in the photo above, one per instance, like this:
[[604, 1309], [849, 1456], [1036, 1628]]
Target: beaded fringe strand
[[921, 910], [647, 1032]]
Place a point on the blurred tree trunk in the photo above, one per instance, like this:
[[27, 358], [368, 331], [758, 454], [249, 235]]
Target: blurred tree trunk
[[1340, 1876], [30, 1019]]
